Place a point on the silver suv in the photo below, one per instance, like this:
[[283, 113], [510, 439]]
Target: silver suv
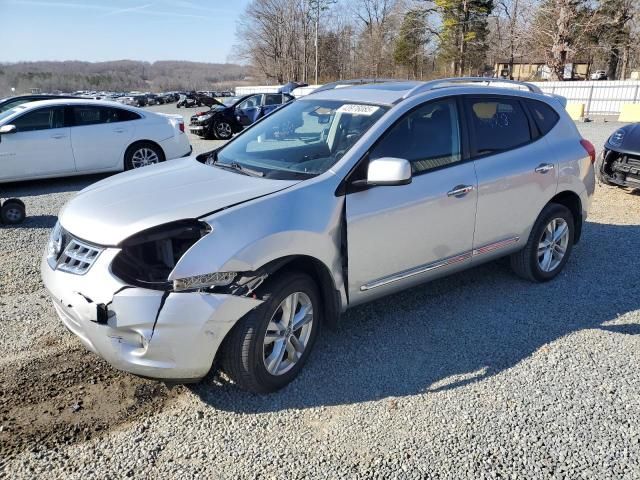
[[242, 254]]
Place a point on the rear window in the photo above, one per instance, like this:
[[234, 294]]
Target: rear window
[[544, 116], [498, 124]]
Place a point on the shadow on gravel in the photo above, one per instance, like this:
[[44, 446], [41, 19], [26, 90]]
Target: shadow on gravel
[[34, 221], [627, 329], [44, 187], [456, 330]]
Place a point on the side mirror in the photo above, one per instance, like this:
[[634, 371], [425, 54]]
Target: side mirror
[[6, 129], [388, 171]]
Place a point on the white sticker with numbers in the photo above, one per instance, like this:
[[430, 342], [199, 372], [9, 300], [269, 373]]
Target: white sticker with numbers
[[354, 109]]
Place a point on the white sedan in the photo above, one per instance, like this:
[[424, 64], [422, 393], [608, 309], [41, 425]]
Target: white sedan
[[55, 138]]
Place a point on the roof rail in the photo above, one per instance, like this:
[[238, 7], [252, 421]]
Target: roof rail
[[455, 81], [349, 83]]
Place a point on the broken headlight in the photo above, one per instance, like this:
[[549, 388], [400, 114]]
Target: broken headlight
[[147, 258], [218, 279]]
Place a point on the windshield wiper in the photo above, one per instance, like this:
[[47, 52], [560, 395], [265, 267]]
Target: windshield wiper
[[239, 168]]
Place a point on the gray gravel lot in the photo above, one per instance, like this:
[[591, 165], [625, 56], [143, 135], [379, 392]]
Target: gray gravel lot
[[479, 375]]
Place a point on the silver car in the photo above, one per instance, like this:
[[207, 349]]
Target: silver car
[[241, 255]]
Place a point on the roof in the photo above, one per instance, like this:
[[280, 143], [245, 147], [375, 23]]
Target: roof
[[72, 101], [392, 92]]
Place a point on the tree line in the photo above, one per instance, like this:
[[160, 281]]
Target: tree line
[[420, 39], [123, 75]]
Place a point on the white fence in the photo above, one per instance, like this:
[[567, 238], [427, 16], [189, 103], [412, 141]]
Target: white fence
[[599, 97]]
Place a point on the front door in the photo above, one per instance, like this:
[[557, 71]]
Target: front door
[[249, 110], [40, 147], [402, 235]]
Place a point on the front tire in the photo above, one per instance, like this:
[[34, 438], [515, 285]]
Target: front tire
[[548, 247], [268, 347], [222, 130], [141, 154]]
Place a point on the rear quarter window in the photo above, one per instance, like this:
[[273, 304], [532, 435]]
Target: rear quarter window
[[544, 116]]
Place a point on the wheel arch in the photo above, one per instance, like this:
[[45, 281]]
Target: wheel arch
[[572, 201]]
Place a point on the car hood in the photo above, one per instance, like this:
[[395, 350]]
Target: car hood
[[111, 210], [630, 142]]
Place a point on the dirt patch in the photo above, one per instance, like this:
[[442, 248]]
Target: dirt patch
[[69, 397]]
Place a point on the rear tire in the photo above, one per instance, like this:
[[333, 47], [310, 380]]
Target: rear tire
[[544, 256], [250, 356], [141, 154], [12, 212]]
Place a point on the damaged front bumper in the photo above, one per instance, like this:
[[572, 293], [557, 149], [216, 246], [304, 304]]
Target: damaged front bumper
[[152, 333], [621, 169]]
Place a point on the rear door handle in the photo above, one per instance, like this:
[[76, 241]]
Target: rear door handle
[[118, 130], [460, 191], [544, 167], [59, 136]]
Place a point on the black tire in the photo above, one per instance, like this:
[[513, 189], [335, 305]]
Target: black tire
[[599, 167], [525, 263], [220, 132], [242, 352], [12, 212], [131, 151]]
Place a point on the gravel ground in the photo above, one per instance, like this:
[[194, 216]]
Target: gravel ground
[[479, 375]]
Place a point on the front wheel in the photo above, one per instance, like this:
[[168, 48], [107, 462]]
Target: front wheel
[[268, 347], [223, 130], [549, 245]]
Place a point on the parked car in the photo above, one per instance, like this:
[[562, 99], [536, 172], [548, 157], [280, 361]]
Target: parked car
[[619, 162], [133, 100], [10, 102], [334, 200], [55, 138], [230, 115], [188, 100], [599, 75]]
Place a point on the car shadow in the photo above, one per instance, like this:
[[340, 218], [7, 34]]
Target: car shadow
[[32, 188], [456, 330]]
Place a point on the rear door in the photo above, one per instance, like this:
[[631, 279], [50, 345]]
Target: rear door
[[100, 135], [517, 173], [41, 146]]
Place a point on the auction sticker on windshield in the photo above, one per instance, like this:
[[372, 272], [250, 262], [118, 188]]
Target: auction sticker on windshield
[[354, 109]]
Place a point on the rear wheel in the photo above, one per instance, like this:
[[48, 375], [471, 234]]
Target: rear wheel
[[142, 154], [549, 245], [12, 212], [268, 347]]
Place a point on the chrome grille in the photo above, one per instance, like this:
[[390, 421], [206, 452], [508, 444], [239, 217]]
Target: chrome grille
[[78, 257]]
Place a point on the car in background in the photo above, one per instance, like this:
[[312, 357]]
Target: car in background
[[10, 102], [619, 162], [55, 138], [599, 75], [232, 114], [133, 100]]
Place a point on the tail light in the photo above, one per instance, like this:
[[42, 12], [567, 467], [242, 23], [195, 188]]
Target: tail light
[[181, 126], [591, 150]]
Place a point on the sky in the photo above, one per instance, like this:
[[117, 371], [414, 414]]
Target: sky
[[101, 30]]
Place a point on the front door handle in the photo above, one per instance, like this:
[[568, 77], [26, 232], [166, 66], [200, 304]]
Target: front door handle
[[544, 167], [59, 136], [460, 191], [119, 130]]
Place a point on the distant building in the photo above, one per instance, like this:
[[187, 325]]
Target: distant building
[[523, 70]]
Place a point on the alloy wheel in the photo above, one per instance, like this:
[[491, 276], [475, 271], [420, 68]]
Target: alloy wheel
[[143, 157], [288, 333], [223, 129], [553, 244]]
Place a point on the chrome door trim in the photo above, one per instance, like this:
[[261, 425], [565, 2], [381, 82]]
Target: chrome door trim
[[495, 246], [416, 271], [396, 277]]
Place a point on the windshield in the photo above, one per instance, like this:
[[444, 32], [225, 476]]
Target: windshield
[[302, 139], [13, 103], [7, 113]]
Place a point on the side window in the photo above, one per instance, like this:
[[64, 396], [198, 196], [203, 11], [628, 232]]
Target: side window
[[41, 119], [498, 124], [273, 99], [253, 101], [120, 115], [429, 137], [88, 115], [544, 115]]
